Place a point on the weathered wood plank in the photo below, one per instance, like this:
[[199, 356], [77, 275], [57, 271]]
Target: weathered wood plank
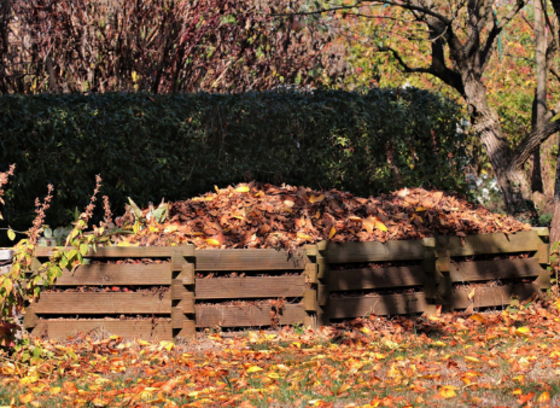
[[128, 329], [74, 303], [367, 278], [491, 270], [497, 296], [250, 287], [349, 307], [375, 251], [484, 244], [247, 315], [125, 252], [247, 260], [117, 274]]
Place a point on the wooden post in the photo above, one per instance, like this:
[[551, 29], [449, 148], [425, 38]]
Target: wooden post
[[430, 286], [315, 298], [182, 296], [542, 255]]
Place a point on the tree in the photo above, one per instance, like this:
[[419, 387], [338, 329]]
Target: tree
[[462, 39]]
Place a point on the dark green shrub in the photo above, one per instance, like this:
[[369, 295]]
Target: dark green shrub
[[177, 146]]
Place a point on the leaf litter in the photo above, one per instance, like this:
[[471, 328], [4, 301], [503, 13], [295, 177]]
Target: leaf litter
[[506, 358], [254, 215]]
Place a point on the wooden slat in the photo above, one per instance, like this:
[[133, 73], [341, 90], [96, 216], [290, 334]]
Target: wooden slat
[[125, 252], [250, 287], [117, 274], [102, 303], [483, 244], [491, 270], [367, 278], [375, 251], [349, 307], [246, 260], [248, 315], [128, 329], [496, 296]]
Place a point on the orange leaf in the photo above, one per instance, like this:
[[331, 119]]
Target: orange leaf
[[544, 397], [332, 232], [316, 199], [169, 385], [213, 242], [447, 391], [26, 398]]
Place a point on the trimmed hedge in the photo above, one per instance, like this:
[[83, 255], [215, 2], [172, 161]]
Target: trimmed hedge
[[176, 146]]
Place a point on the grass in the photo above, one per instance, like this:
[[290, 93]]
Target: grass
[[497, 359]]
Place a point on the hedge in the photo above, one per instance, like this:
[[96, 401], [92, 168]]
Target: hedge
[[176, 146]]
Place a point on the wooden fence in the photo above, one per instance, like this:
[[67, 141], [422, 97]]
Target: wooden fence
[[168, 292]]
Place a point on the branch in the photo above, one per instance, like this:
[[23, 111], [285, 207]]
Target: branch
[[405, 66], [513, 12], [532, 142]]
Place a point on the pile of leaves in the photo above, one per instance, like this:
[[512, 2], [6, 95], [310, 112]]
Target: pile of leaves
[[503, 359], [266, 216]]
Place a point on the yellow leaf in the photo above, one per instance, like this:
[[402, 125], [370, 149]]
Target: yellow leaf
[[448, 391], [242, 189], [55, 390], [273, 376], [419, 209], [301, 235], [472, 359], [213, 242], [8, 285], [289, 203], [217, 189], [544, 397], [11, 234], [477, 317], [282, 367], [167, 345], [439, 343], [471, 294], [143, 342], [316, 199], [332, 232], [354, 218], [26, 398], [254, 369], [523, 331]]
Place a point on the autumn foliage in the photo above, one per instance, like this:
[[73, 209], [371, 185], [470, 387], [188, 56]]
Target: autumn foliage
[[267, 216]]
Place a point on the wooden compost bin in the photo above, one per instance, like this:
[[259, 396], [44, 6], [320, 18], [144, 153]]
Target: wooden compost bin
[[439, 273], [263, 287]]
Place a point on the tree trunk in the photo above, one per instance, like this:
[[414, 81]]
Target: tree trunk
[[555, 224], [512, 181]]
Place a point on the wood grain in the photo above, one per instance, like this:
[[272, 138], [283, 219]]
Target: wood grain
[[498, 296], [125, 252], [349, 307], [75, 303], [117, 274], [246, 316], [492, 270], [375, 251], [128, 329], [367, 278], [250, 287], [484, 244], [247, 260]]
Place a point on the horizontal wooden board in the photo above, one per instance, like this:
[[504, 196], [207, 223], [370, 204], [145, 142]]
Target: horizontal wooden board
[[497, 296], [349, 252], [121, 274], [492, 270], [247, 260], [349, 307], [246, 315], [75, 303], [484, 244], [128, 329], [250, 287], [125, 252], [367, 278]]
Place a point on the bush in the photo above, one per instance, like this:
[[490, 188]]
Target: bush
[[175, 146]]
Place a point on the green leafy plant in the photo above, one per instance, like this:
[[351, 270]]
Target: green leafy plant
[[28, 275]]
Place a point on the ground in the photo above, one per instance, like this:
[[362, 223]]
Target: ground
[[507, 358]]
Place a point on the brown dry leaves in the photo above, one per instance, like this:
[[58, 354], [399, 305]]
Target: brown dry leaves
[[266, 216], [500, 359]]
